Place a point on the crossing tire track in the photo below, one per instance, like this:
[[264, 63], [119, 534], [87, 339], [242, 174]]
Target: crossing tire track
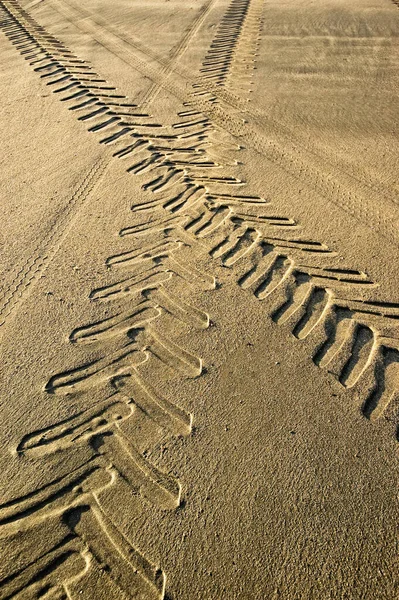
[[220, 104], [197, 208], [184, 188]]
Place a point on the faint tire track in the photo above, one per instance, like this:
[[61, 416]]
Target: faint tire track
[[177, 53], [47, 248]]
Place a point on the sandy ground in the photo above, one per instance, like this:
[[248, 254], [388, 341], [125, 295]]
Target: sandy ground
[[199, 303]]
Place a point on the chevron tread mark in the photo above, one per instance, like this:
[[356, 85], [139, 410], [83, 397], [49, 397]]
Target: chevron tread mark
[[196, 190], [198, 207]]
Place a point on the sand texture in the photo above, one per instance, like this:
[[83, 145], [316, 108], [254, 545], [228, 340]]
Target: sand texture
[[199, 302]]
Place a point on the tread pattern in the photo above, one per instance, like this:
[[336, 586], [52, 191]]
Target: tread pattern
[[44, 252], [182, 184], [230, 59], [295, 157], [88, 545], [197, 208]]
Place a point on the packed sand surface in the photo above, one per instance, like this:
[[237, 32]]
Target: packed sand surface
[[199, 299]]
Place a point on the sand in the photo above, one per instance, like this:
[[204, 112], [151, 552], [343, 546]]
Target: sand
[[199, 302]]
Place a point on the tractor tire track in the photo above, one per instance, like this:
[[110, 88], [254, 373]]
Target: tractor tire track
[[197, 208], [167, 66], [184, 185], [229, 61], [295, 157]]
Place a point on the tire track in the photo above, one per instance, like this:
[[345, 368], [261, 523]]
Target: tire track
[[91, 536], [230, 59], [197, 207], [182, 180], [150, 96], [167, 66], [47, 248], [294, 157]]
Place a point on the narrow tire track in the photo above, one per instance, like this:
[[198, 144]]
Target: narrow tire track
[[47, 248]]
